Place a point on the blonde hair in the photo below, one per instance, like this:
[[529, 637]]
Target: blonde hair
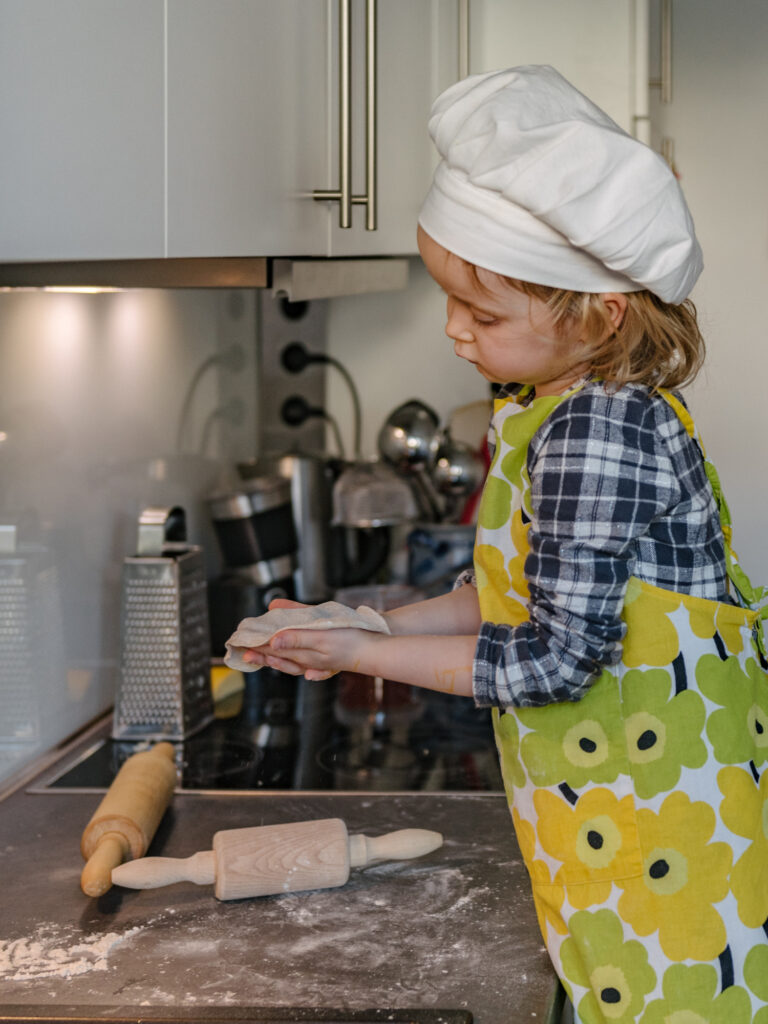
[[656, 343]]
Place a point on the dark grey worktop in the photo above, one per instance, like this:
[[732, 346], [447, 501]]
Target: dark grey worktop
[[455, 929]]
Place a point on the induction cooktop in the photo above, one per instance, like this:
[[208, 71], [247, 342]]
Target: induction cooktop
[[348, 733]]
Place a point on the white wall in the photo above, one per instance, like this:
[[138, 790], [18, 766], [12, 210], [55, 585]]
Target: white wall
[[395, 347], [718, 123], [91, 395]]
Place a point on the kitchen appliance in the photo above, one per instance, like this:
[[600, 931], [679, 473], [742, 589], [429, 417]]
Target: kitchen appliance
[[254, 524], [164, 689], [342, 513], [310, 478], [291, 734], [369, 500], [371, 494], [258, 539]]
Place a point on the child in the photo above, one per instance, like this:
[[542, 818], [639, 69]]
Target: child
[[607, 621]]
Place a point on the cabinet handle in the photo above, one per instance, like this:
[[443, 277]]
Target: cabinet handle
[[343, 194], [463, 38], [664, 82], [369, 199], [641, 120]]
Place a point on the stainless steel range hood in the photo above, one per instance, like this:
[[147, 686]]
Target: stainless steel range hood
[[222, 272], [296, 279]]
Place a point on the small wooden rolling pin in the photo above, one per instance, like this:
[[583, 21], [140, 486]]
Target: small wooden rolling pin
[[269, 859], [126, 819]]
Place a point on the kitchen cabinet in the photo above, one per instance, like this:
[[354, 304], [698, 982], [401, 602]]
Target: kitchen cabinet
[[253, 124], [201, 128], [250, 137], [598, 45], [418, 59], [81, 129], [247, 127]]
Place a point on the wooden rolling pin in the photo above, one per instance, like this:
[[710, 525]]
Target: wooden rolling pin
[[127, 818], [271, 859]]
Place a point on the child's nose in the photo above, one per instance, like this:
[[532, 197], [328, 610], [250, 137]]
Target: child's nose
[[457, 325]]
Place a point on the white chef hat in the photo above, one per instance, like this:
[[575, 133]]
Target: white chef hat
[[539, 184]]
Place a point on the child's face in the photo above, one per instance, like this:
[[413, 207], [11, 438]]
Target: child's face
[[505, 334]]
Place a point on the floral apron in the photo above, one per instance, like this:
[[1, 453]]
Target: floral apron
[[641, 810]]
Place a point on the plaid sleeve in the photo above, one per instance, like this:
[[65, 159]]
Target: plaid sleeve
[[600, 474]]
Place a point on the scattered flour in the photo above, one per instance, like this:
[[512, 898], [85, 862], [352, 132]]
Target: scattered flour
[[52, 951]]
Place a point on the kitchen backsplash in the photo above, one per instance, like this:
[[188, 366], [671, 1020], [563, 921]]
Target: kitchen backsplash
[[108, 403]]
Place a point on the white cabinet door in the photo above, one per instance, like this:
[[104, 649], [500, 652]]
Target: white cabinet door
[[417, 58], [590, 42], [247, 127], [81, 129], [253, 101]]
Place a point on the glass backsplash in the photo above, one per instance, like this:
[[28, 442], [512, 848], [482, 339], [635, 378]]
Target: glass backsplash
[[109, 403]]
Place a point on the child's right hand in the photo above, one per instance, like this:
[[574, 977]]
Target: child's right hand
[[261, 656]]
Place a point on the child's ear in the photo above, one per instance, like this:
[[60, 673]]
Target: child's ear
[[616, 305]]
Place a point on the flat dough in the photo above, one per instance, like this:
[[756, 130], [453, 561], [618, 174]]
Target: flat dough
[[330, 615]]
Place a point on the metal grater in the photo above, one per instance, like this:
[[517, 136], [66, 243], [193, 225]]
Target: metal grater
[[31, 636], [164, 689]]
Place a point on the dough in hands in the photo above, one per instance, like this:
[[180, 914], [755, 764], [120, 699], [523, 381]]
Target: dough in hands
[[330, 615]]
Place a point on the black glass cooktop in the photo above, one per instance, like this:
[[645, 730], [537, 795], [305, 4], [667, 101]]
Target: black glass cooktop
[[349, 733]]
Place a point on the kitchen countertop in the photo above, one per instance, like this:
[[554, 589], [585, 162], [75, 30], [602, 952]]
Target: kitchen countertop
[[453, 930]]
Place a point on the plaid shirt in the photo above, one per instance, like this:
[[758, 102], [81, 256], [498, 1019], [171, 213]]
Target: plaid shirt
[[618, 489]]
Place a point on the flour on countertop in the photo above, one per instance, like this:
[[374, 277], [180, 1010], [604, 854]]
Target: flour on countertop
[[52, 951]]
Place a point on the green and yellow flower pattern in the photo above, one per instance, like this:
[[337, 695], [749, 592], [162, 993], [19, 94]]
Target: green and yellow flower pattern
[[745, 812], [615, 973], [691, 995], [642, 810], [683, 875]]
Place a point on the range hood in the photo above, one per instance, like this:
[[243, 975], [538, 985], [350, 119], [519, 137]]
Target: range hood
[[144, 273], [297, 280]]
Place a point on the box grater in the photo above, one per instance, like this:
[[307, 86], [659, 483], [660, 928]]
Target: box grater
[[164, 689], [31, 638]]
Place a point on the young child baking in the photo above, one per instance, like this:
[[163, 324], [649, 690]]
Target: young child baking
[[607, 622]]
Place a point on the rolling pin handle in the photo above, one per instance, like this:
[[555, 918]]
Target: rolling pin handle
[[402, 845], [154, 872], [111, 850]]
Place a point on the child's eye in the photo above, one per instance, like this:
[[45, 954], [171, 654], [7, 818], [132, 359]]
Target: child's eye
[[485, 321]]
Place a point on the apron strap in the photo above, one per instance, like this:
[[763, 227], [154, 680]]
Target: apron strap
[[749, 596]]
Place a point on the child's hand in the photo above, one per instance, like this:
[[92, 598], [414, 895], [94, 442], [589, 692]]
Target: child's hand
[[258, 655], [316, 653]]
